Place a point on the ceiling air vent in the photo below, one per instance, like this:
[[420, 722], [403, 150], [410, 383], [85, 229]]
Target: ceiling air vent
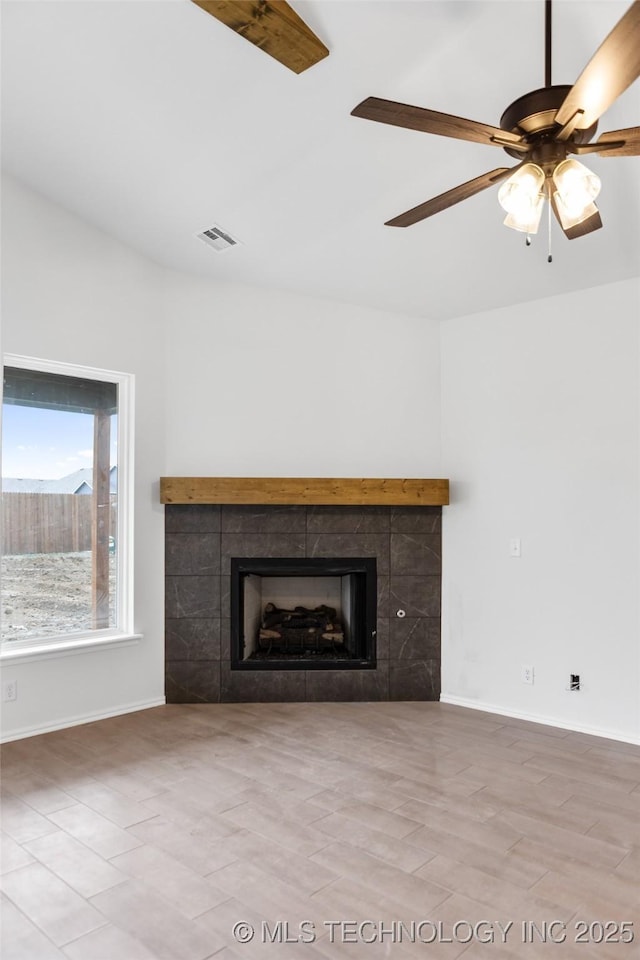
[[218, 239]]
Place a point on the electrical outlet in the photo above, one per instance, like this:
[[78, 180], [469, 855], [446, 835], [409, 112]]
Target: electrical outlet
[[527, 673], [9, 690]]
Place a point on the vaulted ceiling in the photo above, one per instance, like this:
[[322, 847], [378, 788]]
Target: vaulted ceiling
[[154, 121]]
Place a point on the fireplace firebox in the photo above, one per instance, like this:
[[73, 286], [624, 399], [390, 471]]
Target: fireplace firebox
[[303, 613]]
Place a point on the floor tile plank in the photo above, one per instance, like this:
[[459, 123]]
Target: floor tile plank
[[20, 939], [52, 906], [72, 861], [94, 830], [148, 917], [147, 836], [108, 943]]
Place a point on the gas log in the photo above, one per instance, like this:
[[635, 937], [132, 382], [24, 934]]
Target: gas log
[[300, 629]]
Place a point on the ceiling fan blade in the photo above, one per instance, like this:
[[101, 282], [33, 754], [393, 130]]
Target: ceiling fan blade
[[448, 199], [430, 121], [581, 229], [273, 26], [613, 67], [614, 143]]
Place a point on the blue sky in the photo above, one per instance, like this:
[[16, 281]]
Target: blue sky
[[47, 444]]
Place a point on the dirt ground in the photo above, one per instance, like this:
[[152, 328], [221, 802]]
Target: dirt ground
[[48, 593]]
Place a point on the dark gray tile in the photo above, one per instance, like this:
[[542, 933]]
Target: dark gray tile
[[261, 686], [417, 596], [416, 519], [382, 639], [192, 597], [351, 545], [192, 553], [225, 597], [260, 545], [188, 681], [383, 597], [348, 519], [349, 685], [225, 637], [416, 554], [414, 680], [263, 519], [414, 638], [192, 518], [192, 640]]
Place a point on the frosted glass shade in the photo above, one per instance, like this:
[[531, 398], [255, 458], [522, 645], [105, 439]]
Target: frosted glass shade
[[522, 197]]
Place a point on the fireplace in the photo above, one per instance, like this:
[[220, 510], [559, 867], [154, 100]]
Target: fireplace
[[202, 540], [303, 613]]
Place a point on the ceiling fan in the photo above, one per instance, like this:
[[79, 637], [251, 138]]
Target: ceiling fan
[[273, 26], [541, 129]]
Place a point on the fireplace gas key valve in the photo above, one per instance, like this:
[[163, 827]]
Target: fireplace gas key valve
[[400, 614]]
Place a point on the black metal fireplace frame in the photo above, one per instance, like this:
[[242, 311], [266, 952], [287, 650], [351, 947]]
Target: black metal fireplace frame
[[366, 567]]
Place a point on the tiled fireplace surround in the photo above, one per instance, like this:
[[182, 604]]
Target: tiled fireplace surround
[[202, 538]]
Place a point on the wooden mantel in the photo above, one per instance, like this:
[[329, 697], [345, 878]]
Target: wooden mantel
[[305, 490]]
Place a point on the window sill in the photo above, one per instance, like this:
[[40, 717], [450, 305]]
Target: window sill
[[47, 650]]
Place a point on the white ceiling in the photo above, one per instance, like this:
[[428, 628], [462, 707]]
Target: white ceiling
[[153, 121]]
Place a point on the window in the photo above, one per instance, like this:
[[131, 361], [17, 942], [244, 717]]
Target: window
[[66, 509]]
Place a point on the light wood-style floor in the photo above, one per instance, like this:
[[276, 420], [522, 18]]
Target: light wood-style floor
[[379, 827]]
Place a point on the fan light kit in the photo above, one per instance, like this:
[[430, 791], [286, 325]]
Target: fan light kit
[[574, 190], [541, 129]]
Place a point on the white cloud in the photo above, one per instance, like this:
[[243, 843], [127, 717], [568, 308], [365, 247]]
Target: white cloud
[[86, 454]]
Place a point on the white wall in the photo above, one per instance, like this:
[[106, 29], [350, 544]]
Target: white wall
[[264, 383], [70, 293], [540, 436], [249, 382], [541, 440]]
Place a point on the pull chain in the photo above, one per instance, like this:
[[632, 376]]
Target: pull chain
[[549, 256]]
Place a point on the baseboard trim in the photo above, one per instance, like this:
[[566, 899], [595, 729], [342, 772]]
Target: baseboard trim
[[79, 719], [535, 718], [35, 731]]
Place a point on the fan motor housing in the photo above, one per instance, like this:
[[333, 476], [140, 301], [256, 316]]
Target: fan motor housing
[[534, 117]]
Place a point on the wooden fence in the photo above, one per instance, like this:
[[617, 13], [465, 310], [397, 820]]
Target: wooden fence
[[48, 522]]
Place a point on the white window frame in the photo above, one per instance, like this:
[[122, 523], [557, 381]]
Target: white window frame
[[123, 632]]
